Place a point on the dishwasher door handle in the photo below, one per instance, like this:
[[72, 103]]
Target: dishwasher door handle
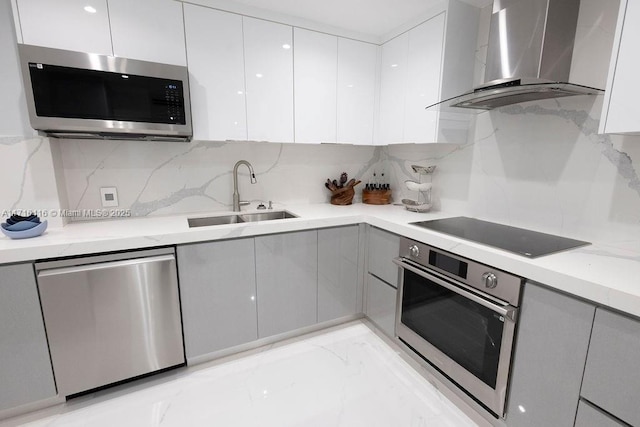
[[104, 265]]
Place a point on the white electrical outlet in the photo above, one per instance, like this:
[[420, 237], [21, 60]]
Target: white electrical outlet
[[109, 197]]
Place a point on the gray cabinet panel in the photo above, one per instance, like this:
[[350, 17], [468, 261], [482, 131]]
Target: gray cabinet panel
[[590, 416], [381, 304], [611, 377], [287, 280], [551, 349], [337, 272], [25, 368], [218, 293], [383, 247]]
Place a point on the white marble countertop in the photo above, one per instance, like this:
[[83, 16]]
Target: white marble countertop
[[605, 275]]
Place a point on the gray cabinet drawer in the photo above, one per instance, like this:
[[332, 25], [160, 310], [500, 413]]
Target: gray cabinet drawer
[[611, 377], [590, 416], [383, 247], [381, 304]]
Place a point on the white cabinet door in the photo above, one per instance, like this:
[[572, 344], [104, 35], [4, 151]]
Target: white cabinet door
[[357, 62], [268, 49], [216, 73], [423, 80], [393, 86], [149, 30], [620, 111], [315, 75], [78, 25]]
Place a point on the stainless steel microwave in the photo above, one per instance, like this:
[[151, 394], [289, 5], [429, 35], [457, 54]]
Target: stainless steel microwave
[[84, 95]]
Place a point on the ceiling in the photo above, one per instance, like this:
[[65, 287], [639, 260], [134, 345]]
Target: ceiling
[[370, 17]]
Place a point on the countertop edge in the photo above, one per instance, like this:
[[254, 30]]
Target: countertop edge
[[594, 273]]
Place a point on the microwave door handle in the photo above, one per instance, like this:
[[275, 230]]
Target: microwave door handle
[[507, 312]]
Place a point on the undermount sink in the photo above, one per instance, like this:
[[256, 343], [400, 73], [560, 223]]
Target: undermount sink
[[240, 218], [266, 216]]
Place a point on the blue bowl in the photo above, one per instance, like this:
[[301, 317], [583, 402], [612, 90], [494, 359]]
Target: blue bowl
[[25, 234], [19, 226]]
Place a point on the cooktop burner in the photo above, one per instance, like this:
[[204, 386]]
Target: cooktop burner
[[529, 243]]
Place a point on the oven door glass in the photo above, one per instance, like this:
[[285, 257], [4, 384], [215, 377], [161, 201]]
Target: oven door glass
[[467, 332]]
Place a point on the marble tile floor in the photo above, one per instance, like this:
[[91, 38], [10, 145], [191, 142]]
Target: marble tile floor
[[345, 376]]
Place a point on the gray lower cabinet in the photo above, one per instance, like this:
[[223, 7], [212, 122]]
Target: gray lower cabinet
[[382, 248], [287, 281], [381, 304], [337, 272], [590, 416], [25, 368], [611, 376], [218, 295], [551, 350]]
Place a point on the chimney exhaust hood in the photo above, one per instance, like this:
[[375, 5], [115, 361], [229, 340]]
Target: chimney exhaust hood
[[529, 56]]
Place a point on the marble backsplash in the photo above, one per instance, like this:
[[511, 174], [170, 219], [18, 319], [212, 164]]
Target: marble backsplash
[[170, 178], [30, 180], [540, 165]]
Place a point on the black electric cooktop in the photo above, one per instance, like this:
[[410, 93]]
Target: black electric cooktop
[[529, 243]]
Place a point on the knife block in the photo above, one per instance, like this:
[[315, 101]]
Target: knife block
[[342, 196]]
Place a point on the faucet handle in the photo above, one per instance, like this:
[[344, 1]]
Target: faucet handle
[[261, 206], [270, 205]]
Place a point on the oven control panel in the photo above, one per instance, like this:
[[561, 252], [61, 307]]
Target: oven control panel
[[498, 283]]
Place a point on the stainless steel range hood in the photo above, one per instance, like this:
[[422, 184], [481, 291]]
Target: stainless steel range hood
[[529, 56]]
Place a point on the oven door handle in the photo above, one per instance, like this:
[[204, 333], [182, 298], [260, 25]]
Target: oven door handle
[[507, 311]]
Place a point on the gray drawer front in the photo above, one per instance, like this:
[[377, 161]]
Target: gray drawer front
[[612, 377], [381, 304], [590, 416], [383, 247]]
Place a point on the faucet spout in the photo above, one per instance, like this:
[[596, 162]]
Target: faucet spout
[[252, 176]]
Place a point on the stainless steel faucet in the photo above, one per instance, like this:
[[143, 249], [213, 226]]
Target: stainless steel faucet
[[236, 195]]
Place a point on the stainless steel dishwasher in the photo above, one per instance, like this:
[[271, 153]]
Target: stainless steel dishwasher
[[110, 318]]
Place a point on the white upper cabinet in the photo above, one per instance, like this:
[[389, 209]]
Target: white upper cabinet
[[80, 25], [620, 110], [268, 52], [216, 73], [315, 79], [393, 88], [357, 63], [429, 63], [410, 80], [423, 80], [148, 30]]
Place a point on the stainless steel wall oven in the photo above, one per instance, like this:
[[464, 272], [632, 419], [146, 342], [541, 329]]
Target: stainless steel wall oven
[[459, 316]]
